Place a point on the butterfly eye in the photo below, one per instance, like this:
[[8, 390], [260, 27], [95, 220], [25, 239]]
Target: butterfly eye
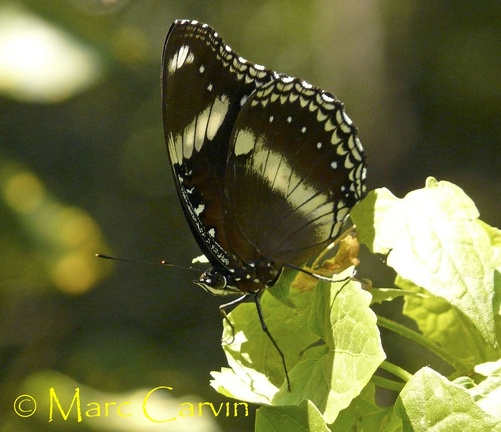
[[213, 282]]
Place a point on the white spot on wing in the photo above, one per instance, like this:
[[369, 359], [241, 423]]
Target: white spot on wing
[[348, 163], [359, 146], [217, 115], [204, 126], [329, 126], [174, 145], [199, 209], [346, 118], [192, 137], [188, 140], [340, 118], [201, 129], [181, 57], [327, 98], [244, 142]]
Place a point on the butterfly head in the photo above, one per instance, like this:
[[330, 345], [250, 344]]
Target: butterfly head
[[215, 282], [250, 278]]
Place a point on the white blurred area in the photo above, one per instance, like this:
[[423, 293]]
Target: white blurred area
[[40, 62]]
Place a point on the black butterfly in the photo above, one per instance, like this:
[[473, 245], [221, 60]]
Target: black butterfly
[[267, 166]]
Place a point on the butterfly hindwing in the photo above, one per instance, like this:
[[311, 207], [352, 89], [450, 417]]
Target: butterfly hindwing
[[293, 147]]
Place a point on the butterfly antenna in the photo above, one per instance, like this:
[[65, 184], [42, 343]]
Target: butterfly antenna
[[164, 263]]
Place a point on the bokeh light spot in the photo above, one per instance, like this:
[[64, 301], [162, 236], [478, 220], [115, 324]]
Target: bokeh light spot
[[75, 273], [39, 62], [76, 228], [23, 192]]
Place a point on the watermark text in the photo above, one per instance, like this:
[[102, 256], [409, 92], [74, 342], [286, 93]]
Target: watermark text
[[153, 407]]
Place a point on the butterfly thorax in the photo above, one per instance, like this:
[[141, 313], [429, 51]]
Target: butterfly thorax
[[252, 277]]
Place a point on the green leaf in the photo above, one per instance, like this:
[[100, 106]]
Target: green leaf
[[281, 290], [250, 352], [375, 217], [364, 414], [495, 238], [445, 325], [434, 239], [302, 418], [341, 317], [430, 402], [330, 374], [243, 383], [487, 394]]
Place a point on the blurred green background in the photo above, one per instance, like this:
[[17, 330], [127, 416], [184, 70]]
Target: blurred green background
[[83, 169]]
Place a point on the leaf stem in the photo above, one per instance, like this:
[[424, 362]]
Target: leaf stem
[[387, 383], [390, 384], [421, 340], [396, 370]]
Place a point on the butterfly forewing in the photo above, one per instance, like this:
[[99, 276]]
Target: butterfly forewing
[[294, 148], [204, 85]]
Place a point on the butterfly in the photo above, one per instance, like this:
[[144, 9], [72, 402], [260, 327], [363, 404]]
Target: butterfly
[[266, 166]]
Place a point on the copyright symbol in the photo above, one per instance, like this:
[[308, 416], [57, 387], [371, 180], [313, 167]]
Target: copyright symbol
[[25, 405]]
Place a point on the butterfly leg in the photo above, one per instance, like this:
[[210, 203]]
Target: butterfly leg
[[256, 297], [265, 329], [235, 302]]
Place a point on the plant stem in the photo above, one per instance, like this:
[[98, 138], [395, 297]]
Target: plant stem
[[421, 340], [387, 383], [396, 370]]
